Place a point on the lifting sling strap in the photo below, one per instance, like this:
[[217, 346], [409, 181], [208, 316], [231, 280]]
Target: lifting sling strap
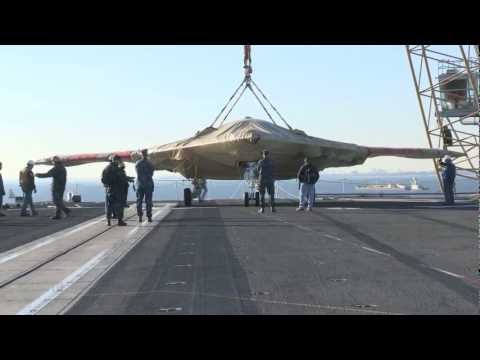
[[247, 84]]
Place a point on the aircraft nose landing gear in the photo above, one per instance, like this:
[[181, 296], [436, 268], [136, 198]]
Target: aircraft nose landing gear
[[251, 177], [198, 192]]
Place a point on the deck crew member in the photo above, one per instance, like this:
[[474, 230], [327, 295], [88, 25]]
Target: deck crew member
[[448, 177], [145, 186], [2, 192], [112, 179], [59, 175], [126, 183], [27, 184], [200, 188], [203, 189], [266, 180], [307, 177]]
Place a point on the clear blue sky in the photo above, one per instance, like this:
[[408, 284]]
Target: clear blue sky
[[75, 99]]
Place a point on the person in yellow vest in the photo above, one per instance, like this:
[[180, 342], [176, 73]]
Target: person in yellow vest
[[27, 184]]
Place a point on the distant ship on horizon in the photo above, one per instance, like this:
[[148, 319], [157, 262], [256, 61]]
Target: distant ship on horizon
[[412, 186]]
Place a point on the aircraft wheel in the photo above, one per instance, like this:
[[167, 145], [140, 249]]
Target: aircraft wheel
[[257, 199], [246, 198], [187, 196]]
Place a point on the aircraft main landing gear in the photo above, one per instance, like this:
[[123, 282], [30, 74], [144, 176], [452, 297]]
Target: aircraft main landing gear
[[187, 196], [251, 196]]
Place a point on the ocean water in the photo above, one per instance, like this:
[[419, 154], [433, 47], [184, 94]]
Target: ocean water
[[172, 189]]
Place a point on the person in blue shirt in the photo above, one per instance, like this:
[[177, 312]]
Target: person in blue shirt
[[144, 185], [307, 177], [448, 177]]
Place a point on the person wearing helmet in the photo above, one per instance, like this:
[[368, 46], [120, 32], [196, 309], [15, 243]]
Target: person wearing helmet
[[145, 186], [2, 191], [27, 184], [448, 177], [112, 179], [59, 180], [264, 171]]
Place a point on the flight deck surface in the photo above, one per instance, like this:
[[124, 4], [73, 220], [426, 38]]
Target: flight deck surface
[[348, 259], [345, 257], [16, 231]]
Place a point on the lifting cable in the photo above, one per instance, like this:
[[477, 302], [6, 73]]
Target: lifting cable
[[246, 82], [273, 107], [228, 102]]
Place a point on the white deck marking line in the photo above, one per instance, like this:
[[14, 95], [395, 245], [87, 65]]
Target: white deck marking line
[[375, 251], [447, 206], [176, 283], [195, 207], [47, 241], [165, 210], [301, 227], [341, 208], [448, 272], [280, 302], [333, 237], [136, 228], [21, 252], [83, 227], [39, 303]]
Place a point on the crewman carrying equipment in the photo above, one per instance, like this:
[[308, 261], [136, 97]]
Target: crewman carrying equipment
[[59, 175]]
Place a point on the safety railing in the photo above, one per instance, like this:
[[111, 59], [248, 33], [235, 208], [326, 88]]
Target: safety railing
[[288, 189]]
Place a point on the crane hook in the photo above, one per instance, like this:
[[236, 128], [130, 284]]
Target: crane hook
[[247, 61]]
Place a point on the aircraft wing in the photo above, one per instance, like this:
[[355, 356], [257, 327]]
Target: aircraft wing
[[414, 153], [328, 154], [160, 158], [80, 159], [218, 153]]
